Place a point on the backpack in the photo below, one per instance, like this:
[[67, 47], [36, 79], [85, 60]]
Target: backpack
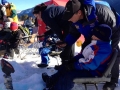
[[24, 30]]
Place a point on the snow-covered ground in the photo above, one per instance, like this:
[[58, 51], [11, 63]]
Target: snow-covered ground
[[27, 75]]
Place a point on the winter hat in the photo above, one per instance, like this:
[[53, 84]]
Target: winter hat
[[72, 6], [103, 32], [4, 1], [13, 26]]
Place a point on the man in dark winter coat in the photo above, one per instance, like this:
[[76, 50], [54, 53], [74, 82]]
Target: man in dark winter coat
[[80, 15], [52, 17], [15, 37]]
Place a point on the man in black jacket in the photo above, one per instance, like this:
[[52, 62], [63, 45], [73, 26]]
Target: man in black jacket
[[80, 15], [52, 17]]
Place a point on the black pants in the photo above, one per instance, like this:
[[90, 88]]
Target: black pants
[[63, 80], [67, 54], [10, 51]]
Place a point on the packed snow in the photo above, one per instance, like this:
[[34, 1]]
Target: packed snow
[[27, 75]]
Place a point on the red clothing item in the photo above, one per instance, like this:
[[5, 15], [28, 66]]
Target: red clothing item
[[41, 28]]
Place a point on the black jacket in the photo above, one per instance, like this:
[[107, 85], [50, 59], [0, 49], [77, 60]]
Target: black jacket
[[5, 34], [12, 38], [15, 38], [52, 17], [109, 16]]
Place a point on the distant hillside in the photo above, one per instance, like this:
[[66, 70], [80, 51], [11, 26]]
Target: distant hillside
[[114, 3], [27, 11]]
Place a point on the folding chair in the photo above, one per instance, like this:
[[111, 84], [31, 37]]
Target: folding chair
[[106, 77]]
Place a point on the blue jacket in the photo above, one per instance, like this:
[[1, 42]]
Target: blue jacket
[[94, 57]]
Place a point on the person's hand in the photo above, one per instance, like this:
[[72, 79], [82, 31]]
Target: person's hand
[[61, 44], [49, 39]]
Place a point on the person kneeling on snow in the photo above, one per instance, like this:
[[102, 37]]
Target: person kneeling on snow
[[15, 38], [91, 62], [12, 38], [49, 44]]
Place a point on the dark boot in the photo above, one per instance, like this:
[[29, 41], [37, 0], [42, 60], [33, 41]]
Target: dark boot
[[109, 86], [57, 67], [47, 80], [42, 65]]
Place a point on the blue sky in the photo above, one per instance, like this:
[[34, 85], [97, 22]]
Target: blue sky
[[25, 4]]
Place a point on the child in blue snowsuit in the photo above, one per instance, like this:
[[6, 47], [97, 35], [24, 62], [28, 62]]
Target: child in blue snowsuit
[[91, 62], [48, 46]]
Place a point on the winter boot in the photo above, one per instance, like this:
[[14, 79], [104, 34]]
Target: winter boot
[[42, 65], [47, 80], [58, 67], [109, 86]]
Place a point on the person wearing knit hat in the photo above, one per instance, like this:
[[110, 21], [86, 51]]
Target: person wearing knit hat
[[11, 35], [14, 40], [102, 32], [10, 10], [4, 2]]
